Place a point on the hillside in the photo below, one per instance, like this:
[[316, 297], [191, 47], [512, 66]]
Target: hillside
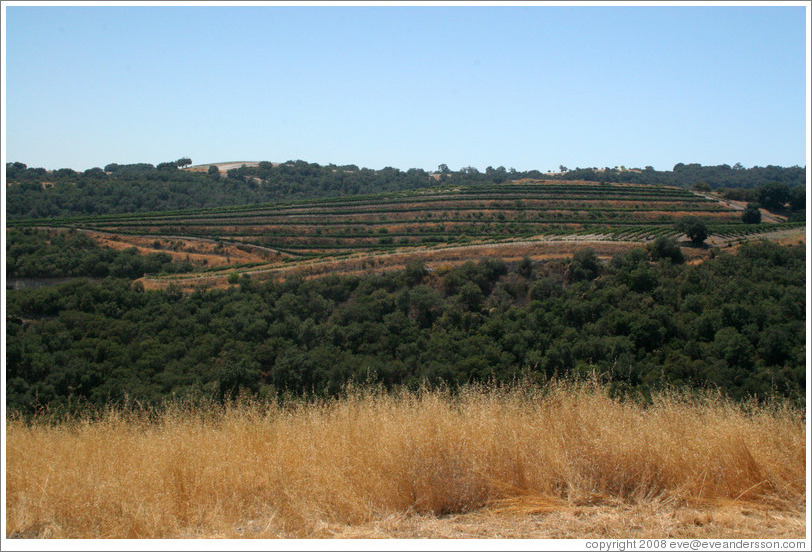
[[452, 256], [441, 226], [734, 322], [218, 330]]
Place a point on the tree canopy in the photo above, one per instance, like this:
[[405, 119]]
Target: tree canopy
[[694, 228], [773, 196], [751, 214], [735, 323]]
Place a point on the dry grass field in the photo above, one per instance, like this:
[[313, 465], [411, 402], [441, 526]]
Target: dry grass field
[[566, 461]]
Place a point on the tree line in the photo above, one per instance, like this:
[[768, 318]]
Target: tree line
[[142, 187], [688, 175]]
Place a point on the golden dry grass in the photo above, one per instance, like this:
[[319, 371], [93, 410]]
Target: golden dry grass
[[567, 461]]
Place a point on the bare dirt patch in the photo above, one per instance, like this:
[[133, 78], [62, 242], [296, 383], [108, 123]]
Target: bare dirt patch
[[224, 167], [789, 237]]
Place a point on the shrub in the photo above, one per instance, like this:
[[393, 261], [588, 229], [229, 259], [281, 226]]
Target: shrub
[[752, 214], [666, 248], [584, 265]]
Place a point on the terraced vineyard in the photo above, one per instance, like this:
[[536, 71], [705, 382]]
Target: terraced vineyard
[[421, 221]]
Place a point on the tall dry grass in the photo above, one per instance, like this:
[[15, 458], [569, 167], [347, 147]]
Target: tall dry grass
[[287, 470]]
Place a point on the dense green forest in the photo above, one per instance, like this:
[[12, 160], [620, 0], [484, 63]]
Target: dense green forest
[[36, 253], [142, 187], [642, 320]]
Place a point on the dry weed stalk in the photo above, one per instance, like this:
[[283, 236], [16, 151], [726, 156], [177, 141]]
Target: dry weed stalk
[[290, 469]]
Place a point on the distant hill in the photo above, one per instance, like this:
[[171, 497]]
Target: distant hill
[[142, 187]]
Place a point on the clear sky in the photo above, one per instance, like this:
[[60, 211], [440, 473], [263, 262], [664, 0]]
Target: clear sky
[[528, 87]]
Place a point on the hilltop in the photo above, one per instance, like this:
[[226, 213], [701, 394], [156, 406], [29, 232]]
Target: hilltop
[[143, 187]]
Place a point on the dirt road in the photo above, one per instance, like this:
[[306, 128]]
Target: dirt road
[[766, 216]]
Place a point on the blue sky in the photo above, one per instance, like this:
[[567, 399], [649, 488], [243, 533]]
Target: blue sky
[[528, 87]]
